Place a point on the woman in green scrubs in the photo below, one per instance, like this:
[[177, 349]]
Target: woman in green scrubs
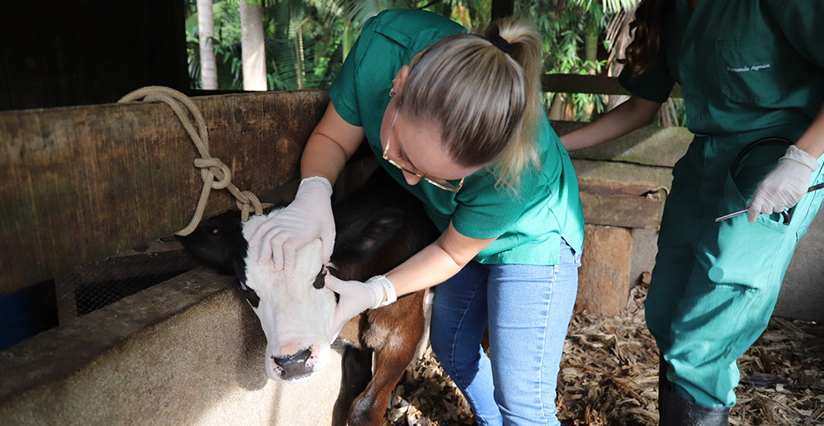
[[456, 119], [750, 70]]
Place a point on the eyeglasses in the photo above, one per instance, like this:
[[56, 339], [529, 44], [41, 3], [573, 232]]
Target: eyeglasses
[[437, 182]]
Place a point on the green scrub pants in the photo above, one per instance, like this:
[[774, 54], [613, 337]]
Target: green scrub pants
[[715, 285]]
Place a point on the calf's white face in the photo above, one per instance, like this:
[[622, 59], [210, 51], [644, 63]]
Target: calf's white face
[[295, 315]]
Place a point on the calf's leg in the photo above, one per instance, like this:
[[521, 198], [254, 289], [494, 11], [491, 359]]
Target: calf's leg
[[357, 370], [403, 329]]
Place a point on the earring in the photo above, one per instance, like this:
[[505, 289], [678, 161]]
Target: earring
[[392, 90]]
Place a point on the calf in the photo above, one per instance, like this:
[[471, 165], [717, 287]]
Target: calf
[[378, 226]]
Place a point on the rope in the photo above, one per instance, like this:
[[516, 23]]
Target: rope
[[215, 174]]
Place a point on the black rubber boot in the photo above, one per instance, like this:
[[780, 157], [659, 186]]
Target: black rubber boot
[[677, 411]]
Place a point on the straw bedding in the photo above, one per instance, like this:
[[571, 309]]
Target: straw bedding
[[609, 376]]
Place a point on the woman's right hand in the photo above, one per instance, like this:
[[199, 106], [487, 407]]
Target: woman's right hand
[[308, 217], [784, 186], [631, 115]]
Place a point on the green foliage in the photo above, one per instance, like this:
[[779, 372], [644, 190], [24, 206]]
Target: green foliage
[[307, 40], [574, 43], [301, 51], [226, 45]]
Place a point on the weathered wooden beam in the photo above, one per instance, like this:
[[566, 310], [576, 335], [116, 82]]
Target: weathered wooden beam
[[622, 204], [79, 184], [596, 84], [502, 8], [623, 172]]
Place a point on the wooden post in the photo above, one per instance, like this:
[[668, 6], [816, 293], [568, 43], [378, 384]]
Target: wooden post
[[604, 277], [612, 210]]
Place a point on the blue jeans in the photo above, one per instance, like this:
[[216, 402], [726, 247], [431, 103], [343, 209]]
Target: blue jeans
[[527, 309]]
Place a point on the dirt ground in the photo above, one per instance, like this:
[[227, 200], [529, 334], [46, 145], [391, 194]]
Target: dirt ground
[[609, 377]]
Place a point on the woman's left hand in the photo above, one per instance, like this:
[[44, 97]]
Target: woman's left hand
[[784, 186], [355, 297]]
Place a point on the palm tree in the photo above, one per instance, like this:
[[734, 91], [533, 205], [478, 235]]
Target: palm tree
[[253, 49], [306, 41], [206, 30], [575, 43]]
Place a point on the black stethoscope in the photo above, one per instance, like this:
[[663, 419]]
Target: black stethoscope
[[772, 140]]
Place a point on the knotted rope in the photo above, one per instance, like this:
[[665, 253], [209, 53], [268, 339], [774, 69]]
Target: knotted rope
[[215, 174]]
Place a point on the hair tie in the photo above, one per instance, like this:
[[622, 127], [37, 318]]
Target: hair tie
[[501, 43]]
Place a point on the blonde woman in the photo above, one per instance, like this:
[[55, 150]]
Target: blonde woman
[[456, 119]]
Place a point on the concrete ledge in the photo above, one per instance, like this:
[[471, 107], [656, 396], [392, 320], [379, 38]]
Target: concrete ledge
[[650, 145], [187, 351]]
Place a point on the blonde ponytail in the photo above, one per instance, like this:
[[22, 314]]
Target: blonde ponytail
[[526, 47], [485, 94]]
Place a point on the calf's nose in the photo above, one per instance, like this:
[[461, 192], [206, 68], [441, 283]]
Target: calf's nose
[[293, 366]]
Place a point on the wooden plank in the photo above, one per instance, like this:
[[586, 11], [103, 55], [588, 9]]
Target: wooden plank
[[627, 205], [574, 83], [650, 145], [625, 172], [79, 184], [5, 93], [58, 53], [618, 188], [596, 84], [23, 57], [502, 8], [70, 47]]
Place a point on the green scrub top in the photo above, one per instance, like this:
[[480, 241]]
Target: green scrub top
[[530, 224], [748, 68]]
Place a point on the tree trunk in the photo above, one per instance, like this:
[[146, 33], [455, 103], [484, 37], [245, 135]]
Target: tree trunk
[[299, 56], [591, 47], [206, 31], [252, 45]]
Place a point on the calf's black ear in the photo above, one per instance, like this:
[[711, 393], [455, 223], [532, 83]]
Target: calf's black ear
[[320, 279], [361, 235], [218, 242]]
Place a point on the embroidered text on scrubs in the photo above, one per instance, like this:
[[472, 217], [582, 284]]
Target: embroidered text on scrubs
[[748, 69]]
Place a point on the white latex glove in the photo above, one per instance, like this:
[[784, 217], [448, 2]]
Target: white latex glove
[[356, 297], [784, 186], [308, 217]]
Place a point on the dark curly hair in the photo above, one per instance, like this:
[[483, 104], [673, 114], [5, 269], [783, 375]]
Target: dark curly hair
[[646, 31]]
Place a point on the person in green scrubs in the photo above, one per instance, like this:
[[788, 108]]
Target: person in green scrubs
[[750, 70], [456, 119]]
